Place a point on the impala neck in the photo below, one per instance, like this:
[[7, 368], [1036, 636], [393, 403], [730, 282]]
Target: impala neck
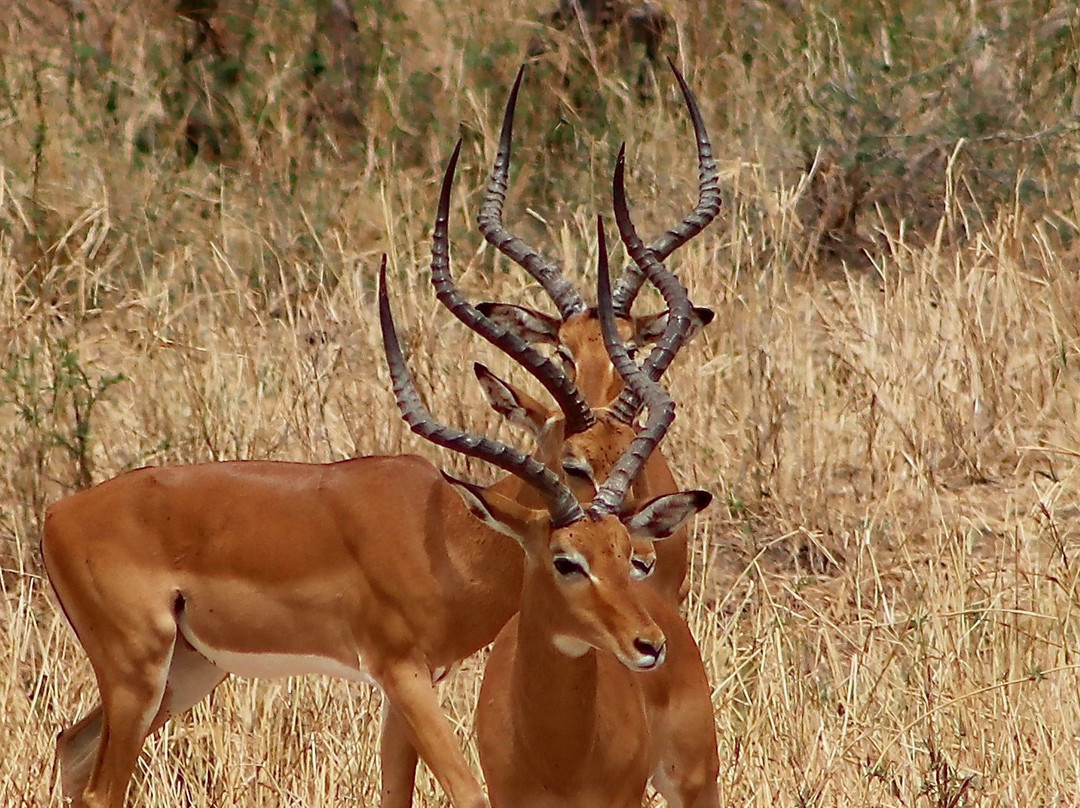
[[554, 695]]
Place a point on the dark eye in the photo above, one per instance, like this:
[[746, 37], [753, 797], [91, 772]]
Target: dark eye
[[579, 472], [642, 567], [567, 568]]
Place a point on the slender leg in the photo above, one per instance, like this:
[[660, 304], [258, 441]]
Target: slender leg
[[409, 689], [76, 749], [191, 677], [132, 689], [398, 759]]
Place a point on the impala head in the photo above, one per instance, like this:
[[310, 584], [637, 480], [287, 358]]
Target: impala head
[[582, 577], [587, 458], [580, 557], [575, 333]]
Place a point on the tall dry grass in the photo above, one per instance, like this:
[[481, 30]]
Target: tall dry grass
[[886, 592]]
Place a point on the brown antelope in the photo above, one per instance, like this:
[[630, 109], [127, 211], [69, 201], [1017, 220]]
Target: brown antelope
[[563, 718], [173, 578], [601, 436], [576, 332]]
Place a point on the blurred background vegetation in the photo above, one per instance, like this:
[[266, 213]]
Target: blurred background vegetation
[[880, 117]]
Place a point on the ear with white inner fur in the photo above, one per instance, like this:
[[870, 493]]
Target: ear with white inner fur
[[651, 327], [660, 517], [518, 408], [498, 512], [527, 324]]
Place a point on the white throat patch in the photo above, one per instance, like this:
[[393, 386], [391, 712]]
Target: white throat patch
[[571, 646]]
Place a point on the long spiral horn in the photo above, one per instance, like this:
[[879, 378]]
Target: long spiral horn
[[562, 505], [579, 415], [547, 274], [698, 219], [629, 403], [612, 492]]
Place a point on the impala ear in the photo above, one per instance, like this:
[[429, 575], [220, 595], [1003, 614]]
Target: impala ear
[[529, 325], [518, 408], [661, 517], [499, 512], [651, 327]]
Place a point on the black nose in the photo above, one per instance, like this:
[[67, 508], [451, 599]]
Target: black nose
[[649, 649]]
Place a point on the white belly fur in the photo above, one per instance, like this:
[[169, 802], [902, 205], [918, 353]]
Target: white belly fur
[[268, 665]]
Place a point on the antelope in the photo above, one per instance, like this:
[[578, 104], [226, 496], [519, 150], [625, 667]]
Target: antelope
[[611, 432], [602, 436], [174, 578], [566, 715], [576, 336]]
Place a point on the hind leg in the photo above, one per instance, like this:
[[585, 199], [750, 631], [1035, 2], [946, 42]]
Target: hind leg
[[132, 687], [190, 678], [76, 749]]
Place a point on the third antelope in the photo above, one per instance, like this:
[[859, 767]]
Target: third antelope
[[597, 684], [576, 333]]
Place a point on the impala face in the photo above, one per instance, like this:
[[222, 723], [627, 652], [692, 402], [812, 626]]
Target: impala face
[[579, 344], [589, 585], [582, 579]]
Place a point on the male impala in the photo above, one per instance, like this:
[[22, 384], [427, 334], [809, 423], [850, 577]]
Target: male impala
[[562, 718], [576, 332], [602, 436], [371, 569]]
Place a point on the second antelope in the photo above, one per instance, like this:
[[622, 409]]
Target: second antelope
[[597, 684], [576, 333]]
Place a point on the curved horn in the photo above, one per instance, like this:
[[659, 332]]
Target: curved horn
[[610, 496], [579, 415], [563, 506], [629, 403], [562, 292], [708, 206]]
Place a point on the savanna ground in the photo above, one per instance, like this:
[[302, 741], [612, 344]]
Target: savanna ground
[[885, 591]]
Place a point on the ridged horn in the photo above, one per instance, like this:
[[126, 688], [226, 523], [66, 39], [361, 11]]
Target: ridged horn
[[628, 404], [612, 492], [579, 415], [562, 505], [547, 274], [698, 219]]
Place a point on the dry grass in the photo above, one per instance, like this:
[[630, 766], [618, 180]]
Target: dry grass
[[885, 595]]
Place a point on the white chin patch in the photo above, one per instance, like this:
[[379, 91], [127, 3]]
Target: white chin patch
[[571, 646]]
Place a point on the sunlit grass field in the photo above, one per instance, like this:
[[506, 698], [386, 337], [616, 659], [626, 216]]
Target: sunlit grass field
[[885, 590]]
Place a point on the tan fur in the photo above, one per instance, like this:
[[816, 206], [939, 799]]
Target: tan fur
[[324, 567]]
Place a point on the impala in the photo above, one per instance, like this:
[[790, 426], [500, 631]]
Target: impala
[[576, 333], [372, 569], [565, 716], [601, 436]]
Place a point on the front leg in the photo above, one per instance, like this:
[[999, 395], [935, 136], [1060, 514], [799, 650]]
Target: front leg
[[409, 689], [398, 758]]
